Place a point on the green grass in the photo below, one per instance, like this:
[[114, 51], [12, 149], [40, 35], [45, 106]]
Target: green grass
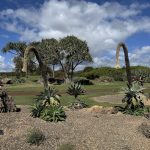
[[24, 94]]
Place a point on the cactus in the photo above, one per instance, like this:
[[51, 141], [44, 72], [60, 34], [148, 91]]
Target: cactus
[[127, 62]]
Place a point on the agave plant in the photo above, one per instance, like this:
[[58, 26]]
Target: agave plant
[[75, 90], [133, 96]]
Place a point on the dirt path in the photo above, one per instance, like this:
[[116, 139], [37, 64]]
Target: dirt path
[[113, 99], [81, 129]]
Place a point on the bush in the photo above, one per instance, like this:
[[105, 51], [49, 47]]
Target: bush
[[105, 79], [82, 81], [18, 80], [86, 69], [35, 136]]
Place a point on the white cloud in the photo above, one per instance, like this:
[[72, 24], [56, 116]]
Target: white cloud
[[5, 67], [102, 26]]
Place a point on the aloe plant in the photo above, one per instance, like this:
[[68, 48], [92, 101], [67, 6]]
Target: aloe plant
[[75, 90], [48, 106], [53, 113], [133, 96]]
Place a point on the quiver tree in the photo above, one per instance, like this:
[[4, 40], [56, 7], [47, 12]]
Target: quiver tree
[[72, 52], [127, 62], [43, 67]]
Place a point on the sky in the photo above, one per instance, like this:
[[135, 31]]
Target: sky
[[102, 23]]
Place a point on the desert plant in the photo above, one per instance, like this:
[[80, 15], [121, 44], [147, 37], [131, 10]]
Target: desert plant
[[36, 109], [53, 113], [75, 90], [47, 106], [50, 96], [133, 96], [35, 137], [127, 62]]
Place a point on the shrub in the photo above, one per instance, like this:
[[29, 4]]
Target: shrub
[[145, 129], [105, 79], [86, 69], [18, 80], [35, 136], [82, 81]]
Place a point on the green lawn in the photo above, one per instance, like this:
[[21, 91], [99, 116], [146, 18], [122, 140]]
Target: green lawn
[[24, 94]]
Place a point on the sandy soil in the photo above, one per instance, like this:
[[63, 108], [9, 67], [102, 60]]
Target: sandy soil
[[83, 129]]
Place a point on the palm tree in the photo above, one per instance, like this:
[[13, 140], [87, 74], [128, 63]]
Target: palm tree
[[127, 62]]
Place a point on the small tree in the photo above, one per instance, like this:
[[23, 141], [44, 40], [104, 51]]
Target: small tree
[[71, 53]]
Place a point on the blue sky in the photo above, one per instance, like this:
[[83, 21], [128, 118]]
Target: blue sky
[[101, 23]]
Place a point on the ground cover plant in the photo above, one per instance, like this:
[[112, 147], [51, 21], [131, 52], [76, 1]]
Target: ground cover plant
[[35, 137]]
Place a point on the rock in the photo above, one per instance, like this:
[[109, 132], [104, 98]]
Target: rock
[[146, 102], [1, 132], [96, 108], [7, 103]]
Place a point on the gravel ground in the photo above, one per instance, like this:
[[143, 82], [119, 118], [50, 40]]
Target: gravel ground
[[83, 129]]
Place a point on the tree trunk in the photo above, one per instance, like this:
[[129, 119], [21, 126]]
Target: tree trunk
[[67, 80], [45, 79], [53, 71]]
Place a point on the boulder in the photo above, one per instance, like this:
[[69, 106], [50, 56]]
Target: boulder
[[96, 108], [7, 103]]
